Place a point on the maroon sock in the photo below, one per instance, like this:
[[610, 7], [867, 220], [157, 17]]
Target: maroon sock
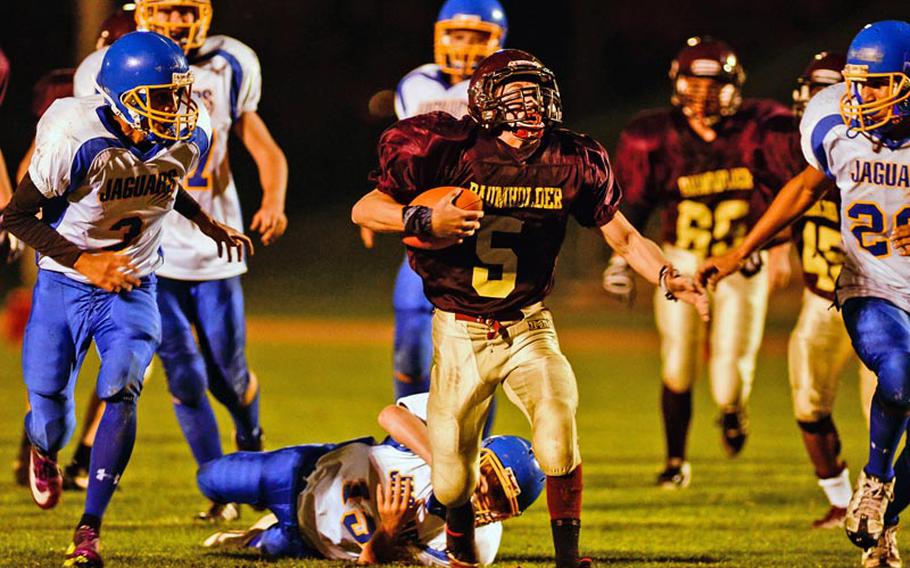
[[460, 533], [564, 502], [677, 412]]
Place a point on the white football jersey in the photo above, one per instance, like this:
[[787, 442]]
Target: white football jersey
[[874, 184], [337, 511], [427, 89], [108, 193], [228, 82]]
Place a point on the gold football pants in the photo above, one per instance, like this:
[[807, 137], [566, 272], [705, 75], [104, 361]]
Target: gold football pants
[[467, 367], [738, 308], [819, 348]]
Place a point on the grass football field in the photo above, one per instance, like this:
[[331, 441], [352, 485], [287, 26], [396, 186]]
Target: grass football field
[[325, 380]]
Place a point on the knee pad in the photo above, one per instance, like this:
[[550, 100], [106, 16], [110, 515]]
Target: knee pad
[[186, 387], [555, 438], [893, 390]]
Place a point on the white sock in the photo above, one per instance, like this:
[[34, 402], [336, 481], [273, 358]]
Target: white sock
[[838, 489]]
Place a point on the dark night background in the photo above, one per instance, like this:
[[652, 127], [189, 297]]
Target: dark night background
[[322, 60]]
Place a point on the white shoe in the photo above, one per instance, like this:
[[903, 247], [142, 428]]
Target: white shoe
[[219, 513], [238, 538], [884, 553], [865, 520]]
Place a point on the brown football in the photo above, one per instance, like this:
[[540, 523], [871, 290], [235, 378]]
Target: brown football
[[467, 199]]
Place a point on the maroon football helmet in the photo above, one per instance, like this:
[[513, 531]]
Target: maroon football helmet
[[825, 69], [525, 111], [117, 25], [4, 75], [711, 59]]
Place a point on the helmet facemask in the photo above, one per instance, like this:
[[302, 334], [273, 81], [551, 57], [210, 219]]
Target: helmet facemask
[[496, 498], [706, 98], [167, 112], [521, 97], [865, 116], [457, 56], [155, 15]]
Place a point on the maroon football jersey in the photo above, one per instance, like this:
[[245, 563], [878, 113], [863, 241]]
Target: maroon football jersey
[[710, 193], [527, 200]]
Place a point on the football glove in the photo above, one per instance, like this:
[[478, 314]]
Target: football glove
[[618, 280]]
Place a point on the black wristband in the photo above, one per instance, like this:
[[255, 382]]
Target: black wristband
[[667, 271], [418, 221]]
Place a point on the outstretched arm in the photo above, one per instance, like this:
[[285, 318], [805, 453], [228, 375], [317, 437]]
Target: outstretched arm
[[646, 258], [796, 197], [272, 164]]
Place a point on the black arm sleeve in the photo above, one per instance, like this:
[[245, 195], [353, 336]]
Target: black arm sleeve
[[186, 205], [20, 220]]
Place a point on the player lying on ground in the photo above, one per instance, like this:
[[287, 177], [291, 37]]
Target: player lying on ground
[[490, 326], [858, 134], [368, 502], [105, 173]]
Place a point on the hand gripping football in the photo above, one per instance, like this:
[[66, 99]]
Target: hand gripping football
[[467, 199]]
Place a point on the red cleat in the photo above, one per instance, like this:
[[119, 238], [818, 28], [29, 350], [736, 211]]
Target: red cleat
[[44, 479]]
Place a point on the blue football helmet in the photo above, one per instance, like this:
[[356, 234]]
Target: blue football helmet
[[510, 479], [460, 56], [879, 56], [146, 80]]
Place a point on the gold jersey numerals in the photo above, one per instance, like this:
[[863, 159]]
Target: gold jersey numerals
[[823, 254], [707, 231], [503, 258]]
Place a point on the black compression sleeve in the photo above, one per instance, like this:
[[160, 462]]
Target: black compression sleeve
[[20, 220], [186, 205]]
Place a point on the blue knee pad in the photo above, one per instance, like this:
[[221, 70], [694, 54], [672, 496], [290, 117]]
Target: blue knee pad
[[880, 332]]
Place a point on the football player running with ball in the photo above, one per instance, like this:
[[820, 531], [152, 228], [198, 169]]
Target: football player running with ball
[[711, 163], [490, 325], [198, 290], [819, 345], [105, 173], [858, 134], [466, 32]]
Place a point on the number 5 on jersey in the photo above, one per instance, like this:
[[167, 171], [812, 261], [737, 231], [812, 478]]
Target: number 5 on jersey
[[497, 277]]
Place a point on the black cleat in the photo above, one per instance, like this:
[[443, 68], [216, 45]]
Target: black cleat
[[734, 428], [75, 477], [675, 477]]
